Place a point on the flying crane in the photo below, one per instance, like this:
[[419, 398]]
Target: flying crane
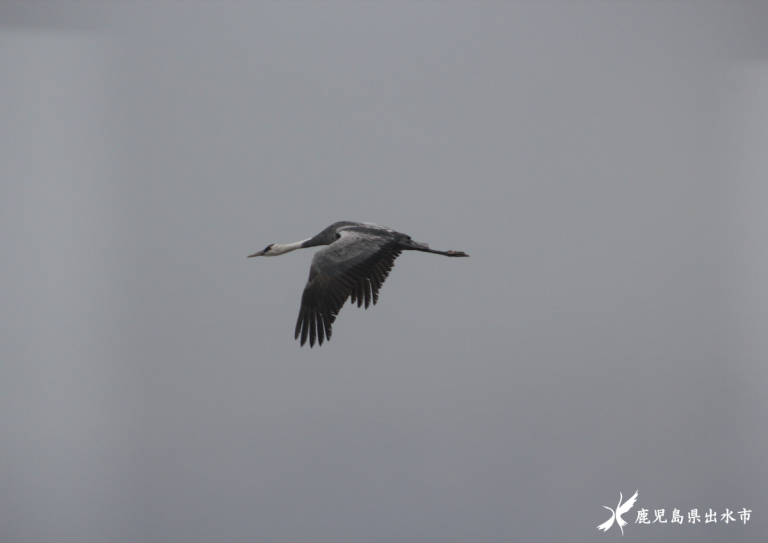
[[354, 265]]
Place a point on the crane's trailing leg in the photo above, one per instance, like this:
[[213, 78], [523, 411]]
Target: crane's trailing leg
[[410, 245]]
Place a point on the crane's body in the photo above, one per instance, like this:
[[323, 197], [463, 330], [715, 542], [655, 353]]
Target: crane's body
[[354, 265]]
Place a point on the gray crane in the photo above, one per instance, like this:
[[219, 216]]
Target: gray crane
[[355, 264]]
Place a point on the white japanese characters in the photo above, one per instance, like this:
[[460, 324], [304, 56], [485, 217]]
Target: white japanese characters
[[693, 516]]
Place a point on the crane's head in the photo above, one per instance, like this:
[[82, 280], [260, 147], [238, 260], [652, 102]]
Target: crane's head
[[263, 252]]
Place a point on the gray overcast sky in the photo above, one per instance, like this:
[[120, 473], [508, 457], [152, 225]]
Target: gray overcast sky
[[603, 163]]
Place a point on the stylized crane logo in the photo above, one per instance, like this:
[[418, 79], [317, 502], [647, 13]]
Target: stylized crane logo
[[620, 510]]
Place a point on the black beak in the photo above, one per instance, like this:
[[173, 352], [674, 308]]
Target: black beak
[[263, 251]]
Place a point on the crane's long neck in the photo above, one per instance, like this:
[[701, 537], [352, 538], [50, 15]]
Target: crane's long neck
[[278, 249]]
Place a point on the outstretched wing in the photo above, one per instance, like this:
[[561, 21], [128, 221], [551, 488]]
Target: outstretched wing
[[355, 265]]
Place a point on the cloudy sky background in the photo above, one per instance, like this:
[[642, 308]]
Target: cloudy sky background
[[604, 164]]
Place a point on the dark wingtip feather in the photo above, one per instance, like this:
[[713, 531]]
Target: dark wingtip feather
[[367, 284], [298, 323], [320, 328], [304, 327], [327, 320], [312, 328]]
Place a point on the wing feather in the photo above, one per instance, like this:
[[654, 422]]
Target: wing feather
[[367, 286]]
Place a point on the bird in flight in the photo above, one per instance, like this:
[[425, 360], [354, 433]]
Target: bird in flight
[[620, 510], [355, 263]]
